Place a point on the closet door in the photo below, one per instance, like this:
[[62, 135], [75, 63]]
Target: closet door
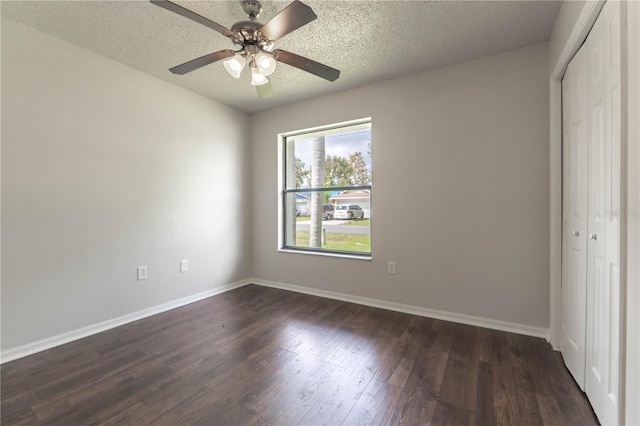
[[596, 51], [603, 273], [574, 238], [591, 215], [613, 208]]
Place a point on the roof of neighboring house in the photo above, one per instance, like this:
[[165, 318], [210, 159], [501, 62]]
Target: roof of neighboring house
[[303, 196], [355, 194]]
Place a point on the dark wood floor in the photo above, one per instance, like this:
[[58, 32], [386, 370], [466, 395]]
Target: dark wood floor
[[262, 356]]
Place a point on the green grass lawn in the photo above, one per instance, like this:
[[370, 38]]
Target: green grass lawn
[[359, 222], [344, 242]]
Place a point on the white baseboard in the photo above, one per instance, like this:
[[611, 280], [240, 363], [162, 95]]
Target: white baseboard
[[61, 339], [510, 327]]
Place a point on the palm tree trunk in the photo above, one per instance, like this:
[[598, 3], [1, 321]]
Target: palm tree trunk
[[317, 198], [290, 198]]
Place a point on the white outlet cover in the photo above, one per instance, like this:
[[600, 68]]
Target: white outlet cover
[[184, 265], [142, 273]]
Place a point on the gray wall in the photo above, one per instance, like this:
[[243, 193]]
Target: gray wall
[[105, 168], [463, 151]]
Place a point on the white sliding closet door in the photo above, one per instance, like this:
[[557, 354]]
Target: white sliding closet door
[[591, 215]]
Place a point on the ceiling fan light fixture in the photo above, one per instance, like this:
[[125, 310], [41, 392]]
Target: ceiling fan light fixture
[[257, 78], [266, 64], [255, 42], [235, 65]]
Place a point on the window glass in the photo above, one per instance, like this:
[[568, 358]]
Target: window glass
[[326, 189]]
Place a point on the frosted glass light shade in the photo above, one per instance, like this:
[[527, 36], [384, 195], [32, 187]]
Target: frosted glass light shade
[[257, 78], [235, 65], [266, 64]]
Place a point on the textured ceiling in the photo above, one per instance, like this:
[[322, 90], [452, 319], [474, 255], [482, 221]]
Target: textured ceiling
[[368, 41]]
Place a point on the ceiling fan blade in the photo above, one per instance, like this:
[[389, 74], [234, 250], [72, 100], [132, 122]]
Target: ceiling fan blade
[[306, 64], [166, 4], [194, 64], [265, 90], [289, 19]]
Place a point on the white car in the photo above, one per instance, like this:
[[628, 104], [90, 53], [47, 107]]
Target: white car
[[351, 211]]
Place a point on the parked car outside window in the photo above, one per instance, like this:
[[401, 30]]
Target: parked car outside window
[[351, 211], [327, 212]]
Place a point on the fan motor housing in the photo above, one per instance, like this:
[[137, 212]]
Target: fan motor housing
[[248, 30]]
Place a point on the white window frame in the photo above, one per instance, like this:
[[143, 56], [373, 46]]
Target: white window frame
[[282, 191]]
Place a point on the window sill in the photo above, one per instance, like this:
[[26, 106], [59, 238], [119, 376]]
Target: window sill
[[326, 254]]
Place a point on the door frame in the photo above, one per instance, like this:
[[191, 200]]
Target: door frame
[[631, 77]]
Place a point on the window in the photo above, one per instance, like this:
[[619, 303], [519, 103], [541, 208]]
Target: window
[[326, 189]]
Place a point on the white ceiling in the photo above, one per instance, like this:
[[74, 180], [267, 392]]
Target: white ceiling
[[368, 41]]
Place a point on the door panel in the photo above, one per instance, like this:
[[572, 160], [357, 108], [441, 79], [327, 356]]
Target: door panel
[[596, 291], [575, 217]]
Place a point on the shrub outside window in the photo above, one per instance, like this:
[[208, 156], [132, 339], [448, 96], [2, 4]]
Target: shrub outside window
[[326, 191]]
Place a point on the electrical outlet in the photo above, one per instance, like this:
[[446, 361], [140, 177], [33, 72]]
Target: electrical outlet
[[391, 268], [184, 265], [142, 273]]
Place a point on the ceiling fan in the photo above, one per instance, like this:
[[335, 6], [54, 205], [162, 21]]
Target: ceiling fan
[[255, 44]]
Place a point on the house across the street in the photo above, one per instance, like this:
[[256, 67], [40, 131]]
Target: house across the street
[[361, 197]]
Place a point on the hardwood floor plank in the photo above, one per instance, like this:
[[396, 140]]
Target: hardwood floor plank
[[303, 338], [550, 410], [484, 403], [506, 408], [393, 324], [503, 379], [221, 414], [270, 390], [443, 414], [301, 395], [339, 397], [338, 317], [428, 374], [465, 416], [195, 406], [105, 392], [441, 336], [261, 356], [412, 410], [528, 410], [406, 347], [77, 381], [169, 391], [454, 390], [401, 373], [375, 406], [16, 409], [26, 418], [41, 375], [573, 407]]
